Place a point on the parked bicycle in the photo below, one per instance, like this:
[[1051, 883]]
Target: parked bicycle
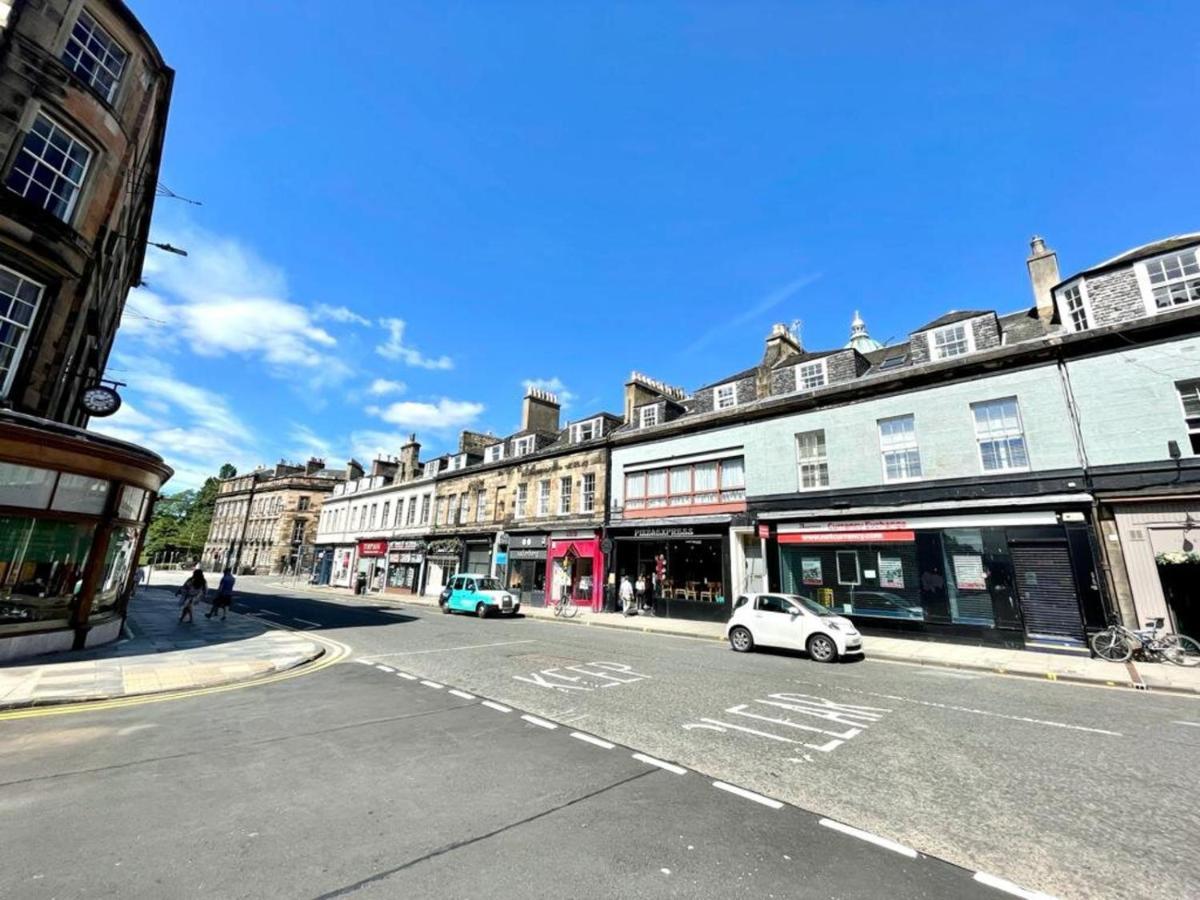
[[565, 607], [1118, 643]]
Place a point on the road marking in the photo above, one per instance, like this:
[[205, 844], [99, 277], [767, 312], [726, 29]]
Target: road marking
[[365, 662], [306, 622], [870, 838], [381, 667], [449, 649], [1009, 888], [266, 612], [670, 767], [496, 706], [587, 738], [462, 694], [433, 684], [541, 723], [749, 795], [406, 676], [1193, 724]]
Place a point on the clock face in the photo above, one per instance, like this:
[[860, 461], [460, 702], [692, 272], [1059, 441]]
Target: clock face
[[100, 401]]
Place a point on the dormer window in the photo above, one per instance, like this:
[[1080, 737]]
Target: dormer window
[[951, 340], [523, 445], [1174, 280], [494, 453], [725, 396], [811, 375], [585, 431], [647, 416], [1074, 308]]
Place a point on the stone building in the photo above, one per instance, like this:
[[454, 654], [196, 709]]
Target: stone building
[[83, 110], [528, 507], [265, 522]]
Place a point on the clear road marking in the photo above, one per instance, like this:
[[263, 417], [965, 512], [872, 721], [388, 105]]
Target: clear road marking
[[670, 767], [870, 838], [462, 694], [432, 684], [266, 612], [1009, 888], [587, 738], [384, 668], [749, 795], [406, 676], [448, 649], [1193, 724], [306, 622], [541, 723], [365, 662], [496, 706]]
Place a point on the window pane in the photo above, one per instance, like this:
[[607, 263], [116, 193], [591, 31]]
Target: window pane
[[41, 567], [706, 476], [118, 563], [733, 473], [80, 494], [25, 486], [635, 485], [131, 502], [656, 483]]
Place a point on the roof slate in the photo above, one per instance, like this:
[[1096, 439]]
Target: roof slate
[[955, 316]]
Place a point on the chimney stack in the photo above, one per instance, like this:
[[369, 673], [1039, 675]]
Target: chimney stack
[[410, 455], [313, 465], [1043, 275], [386, 467], [641, 389], [539, 411], [354, 470], [781, 344]]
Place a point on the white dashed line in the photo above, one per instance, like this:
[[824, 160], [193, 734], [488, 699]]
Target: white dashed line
[[307, 622], [541, 723], [870, 838], [749, 795], [433, 684], [383, 668], [462, 694], [1193, 724], [365, 662], [406, 676], [496, 706], [670, 767], [1009, 888], [587, 738]]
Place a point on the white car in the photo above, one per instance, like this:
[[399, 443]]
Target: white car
[[792, 621]]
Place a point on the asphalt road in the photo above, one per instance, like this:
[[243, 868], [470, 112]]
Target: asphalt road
[[357, 780]]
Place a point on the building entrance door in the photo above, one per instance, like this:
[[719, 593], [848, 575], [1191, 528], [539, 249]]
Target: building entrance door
[[527, 579], [1046, 585]]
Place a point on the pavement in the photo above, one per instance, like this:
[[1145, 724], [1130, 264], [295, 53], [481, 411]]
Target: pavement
[[998, 660], [159, 654]]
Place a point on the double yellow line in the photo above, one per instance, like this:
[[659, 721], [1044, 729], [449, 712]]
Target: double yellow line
[[335, 652]]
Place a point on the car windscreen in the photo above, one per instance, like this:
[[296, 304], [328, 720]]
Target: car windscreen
[[487, 584], [811, 605]]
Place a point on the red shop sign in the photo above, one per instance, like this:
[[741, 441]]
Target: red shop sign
[[848, 537], [372, 548], [764, 532]]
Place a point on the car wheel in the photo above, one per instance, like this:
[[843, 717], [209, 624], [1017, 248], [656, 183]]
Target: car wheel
[[741, 640], [821, 648], [481, 610], [445, 607]]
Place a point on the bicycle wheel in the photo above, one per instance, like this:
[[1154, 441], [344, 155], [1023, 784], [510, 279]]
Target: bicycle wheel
[[1110, 644], [1181, 650], [569, 609]]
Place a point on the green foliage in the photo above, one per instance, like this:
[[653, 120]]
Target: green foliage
[[227, 471], [180, 522]]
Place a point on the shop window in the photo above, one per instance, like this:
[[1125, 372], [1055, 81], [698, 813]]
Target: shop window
[[93, 55], [1000, 435], [847, 567], [80, 494], [50, 167], [589, 492], [19, 301], [898, 446], [544, 497], [26, 486], [1189, 398], [41, 569], [812, 459], [119, 562], [564, 496], [130, 504], [879, 580], [967, 576]]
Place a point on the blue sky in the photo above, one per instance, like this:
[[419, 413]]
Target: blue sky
[[412, 211]]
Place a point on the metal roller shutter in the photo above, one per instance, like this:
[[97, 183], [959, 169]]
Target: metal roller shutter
[[1046, 585]]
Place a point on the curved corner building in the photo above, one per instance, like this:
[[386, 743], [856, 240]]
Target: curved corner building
[[84, 95]]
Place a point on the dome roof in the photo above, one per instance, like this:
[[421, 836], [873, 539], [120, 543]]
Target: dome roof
[[859, 339]]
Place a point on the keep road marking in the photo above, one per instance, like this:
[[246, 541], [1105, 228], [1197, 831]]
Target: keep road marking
[[1009, 888], [541, 723], [462, 694], [496, 706], [587, 738], [870, 838], [749, 795], [433, 684], [670, 767]]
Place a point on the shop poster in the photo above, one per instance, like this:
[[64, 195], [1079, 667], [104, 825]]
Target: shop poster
[[968, 572], [810, 571], [891, 572]]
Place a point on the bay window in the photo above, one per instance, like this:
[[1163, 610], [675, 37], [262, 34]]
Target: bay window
[[706, 483]]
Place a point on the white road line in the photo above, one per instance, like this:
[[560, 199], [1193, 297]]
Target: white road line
[[1193, 724], [462, 694], [670, 767], [870, 838], [365, 662], [265, 612], [541, 723], [432, 684], [406, 676], [384, 668], [1009, 888], [749, 795], [448, 649], [587, 738], [496, 706], [306, 622]]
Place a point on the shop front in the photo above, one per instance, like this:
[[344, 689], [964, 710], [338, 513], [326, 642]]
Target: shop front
[[684, 568], [1021, 579], [575, 568], [372, 565], [405, 560], [477, 555], [443, 559], [342, 568], [527, 568], [1160, 542]]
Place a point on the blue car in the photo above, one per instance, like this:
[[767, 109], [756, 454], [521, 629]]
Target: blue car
[[480, 594]]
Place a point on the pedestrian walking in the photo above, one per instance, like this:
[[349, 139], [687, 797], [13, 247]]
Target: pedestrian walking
[[626, 595], [192, 590], [639, 590], [139, 578], [224, 596]]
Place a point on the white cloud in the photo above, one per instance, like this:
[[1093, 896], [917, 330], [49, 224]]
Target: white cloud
[[381, 386], [394, 348], [554, 386], [340, 314], [444, 415]]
